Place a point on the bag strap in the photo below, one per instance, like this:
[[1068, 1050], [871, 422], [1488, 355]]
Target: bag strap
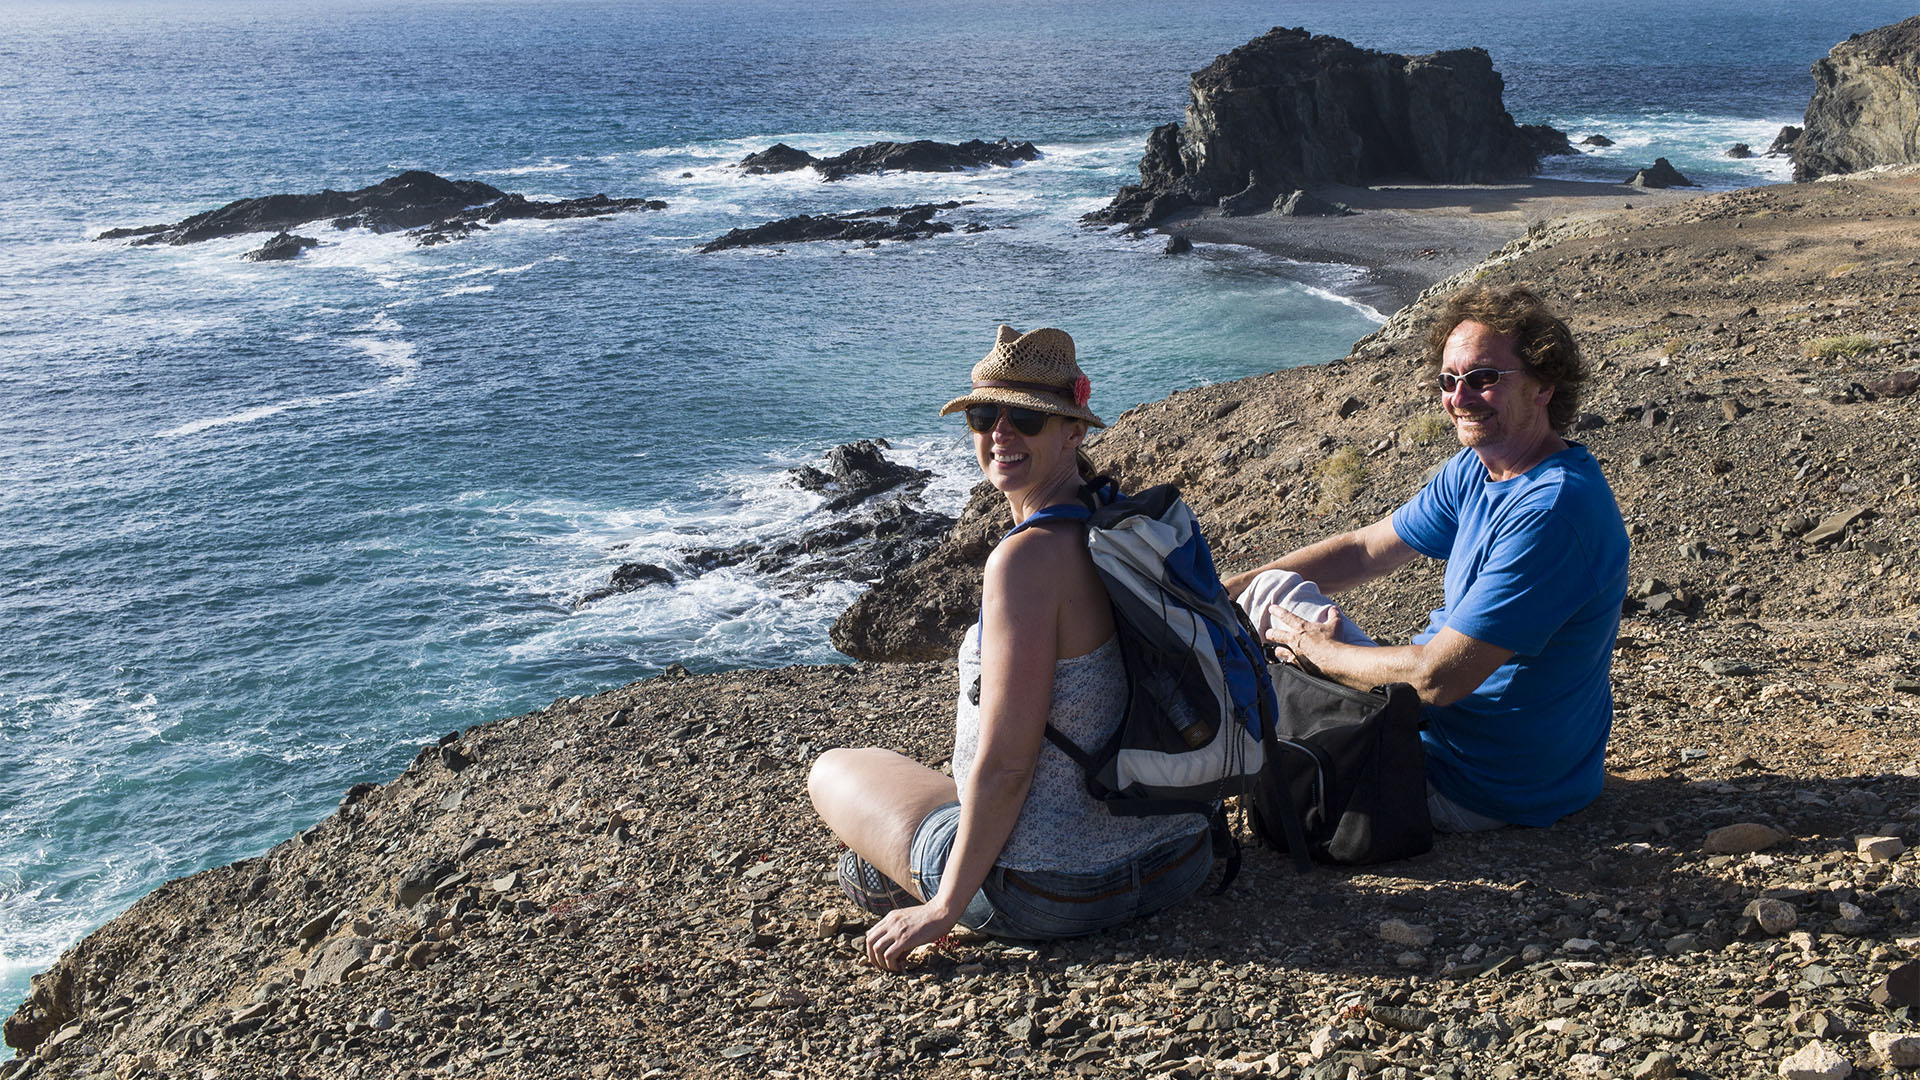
[[1291, 826]]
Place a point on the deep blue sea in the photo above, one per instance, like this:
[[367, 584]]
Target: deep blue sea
[[268, 527]]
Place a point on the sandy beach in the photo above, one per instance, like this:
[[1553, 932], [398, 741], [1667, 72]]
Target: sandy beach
[[1409, 235]]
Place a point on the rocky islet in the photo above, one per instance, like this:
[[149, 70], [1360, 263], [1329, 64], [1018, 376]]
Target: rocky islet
[[431, 208]]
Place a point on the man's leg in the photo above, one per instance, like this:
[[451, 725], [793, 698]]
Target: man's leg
[[1450, 817]]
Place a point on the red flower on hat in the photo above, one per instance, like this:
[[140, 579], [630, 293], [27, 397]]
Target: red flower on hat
[[1082, 390]]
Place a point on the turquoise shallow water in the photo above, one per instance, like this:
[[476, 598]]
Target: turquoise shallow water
[[269, 527]]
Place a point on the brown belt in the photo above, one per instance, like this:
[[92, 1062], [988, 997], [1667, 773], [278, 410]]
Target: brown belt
[[1013, 878]]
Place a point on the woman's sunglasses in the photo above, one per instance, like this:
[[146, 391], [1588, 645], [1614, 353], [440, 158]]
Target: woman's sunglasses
[[1479, 378], [981, 418]]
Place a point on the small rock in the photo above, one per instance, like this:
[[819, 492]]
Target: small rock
[[1901, 986], [1899, 1049], [1747, 836], [1728, 668], [1834, 526], [1350, 406], [1773, 999], [317, 926], [1815, 1062], [1412, 1021], [380, 1020], [1658, 1065], [1177, 245], [1879, 849], [337, 959], [1401, 932], [1774, 917]]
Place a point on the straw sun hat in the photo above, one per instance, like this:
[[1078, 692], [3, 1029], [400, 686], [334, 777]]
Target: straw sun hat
[[1034, 370]]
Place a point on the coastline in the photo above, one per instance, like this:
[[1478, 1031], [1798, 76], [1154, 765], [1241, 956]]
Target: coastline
[[1407, 236], [631, 883]]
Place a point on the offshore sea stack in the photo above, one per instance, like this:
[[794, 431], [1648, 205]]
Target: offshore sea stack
[[1293, 110], [1865, 96]]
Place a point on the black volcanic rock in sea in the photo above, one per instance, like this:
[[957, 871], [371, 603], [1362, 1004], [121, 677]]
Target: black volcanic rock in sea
[[875, 526], [441, 209], [1866, 92], [921, 155], [867, 226], [281, 248], [1295, 110], [1660, 174]]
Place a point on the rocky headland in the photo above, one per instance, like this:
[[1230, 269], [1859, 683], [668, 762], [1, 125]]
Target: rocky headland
[[633, 884], [1292, 110], [1866, 92], [433, 209]]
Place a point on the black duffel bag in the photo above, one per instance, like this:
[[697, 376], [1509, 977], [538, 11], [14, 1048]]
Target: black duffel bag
[[1345, 778]]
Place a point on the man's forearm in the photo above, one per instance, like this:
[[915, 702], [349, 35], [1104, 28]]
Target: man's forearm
[[1365, 667]]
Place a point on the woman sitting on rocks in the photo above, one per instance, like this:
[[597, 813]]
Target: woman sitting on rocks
[[1011, 844]]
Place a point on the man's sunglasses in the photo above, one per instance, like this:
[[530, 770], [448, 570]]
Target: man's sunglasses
[[1479, 378], [981, 418]]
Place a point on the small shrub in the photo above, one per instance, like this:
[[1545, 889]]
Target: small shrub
[[1341, 476], [1674, 347], [1426, 429], [1841, 346], [1638, 339]]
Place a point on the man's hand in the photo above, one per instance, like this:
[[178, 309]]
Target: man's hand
[[1297, 638], [903, 930]]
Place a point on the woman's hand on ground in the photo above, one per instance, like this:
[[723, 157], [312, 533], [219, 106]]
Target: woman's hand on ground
[[903, 930]]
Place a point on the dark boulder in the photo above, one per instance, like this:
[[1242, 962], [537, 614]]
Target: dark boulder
[[924, 155], [419, 200], [1784, 142], [875, 525], [1740, 151], [1866, 92], [777, 158], [857, 472], [870, 526], [1307, 204], [1255, 198], [866, 226], [1660, 174], [1547, 141], [282, 247], [1177, 245], [627, 578], [1299, 110], [1596, 140], [920, 612]]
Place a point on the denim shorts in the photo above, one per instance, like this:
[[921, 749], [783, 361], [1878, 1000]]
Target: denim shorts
[[1036, 905]]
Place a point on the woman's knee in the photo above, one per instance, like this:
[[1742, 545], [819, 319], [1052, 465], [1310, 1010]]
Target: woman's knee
[[828, 775]]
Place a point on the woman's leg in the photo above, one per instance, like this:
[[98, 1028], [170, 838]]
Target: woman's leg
[[874, 800]]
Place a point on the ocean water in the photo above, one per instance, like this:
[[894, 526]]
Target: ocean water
[[268, 527]]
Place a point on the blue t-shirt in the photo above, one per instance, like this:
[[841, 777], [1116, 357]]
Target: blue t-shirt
[[1536, 564]]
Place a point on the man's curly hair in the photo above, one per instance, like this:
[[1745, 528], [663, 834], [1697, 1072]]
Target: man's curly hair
[[1540, 338]]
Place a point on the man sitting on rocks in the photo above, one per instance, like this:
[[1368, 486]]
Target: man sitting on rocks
[[1513, 667]]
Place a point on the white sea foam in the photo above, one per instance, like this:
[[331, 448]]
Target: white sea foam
[[467, 290], [527, 170], [388, 352]]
